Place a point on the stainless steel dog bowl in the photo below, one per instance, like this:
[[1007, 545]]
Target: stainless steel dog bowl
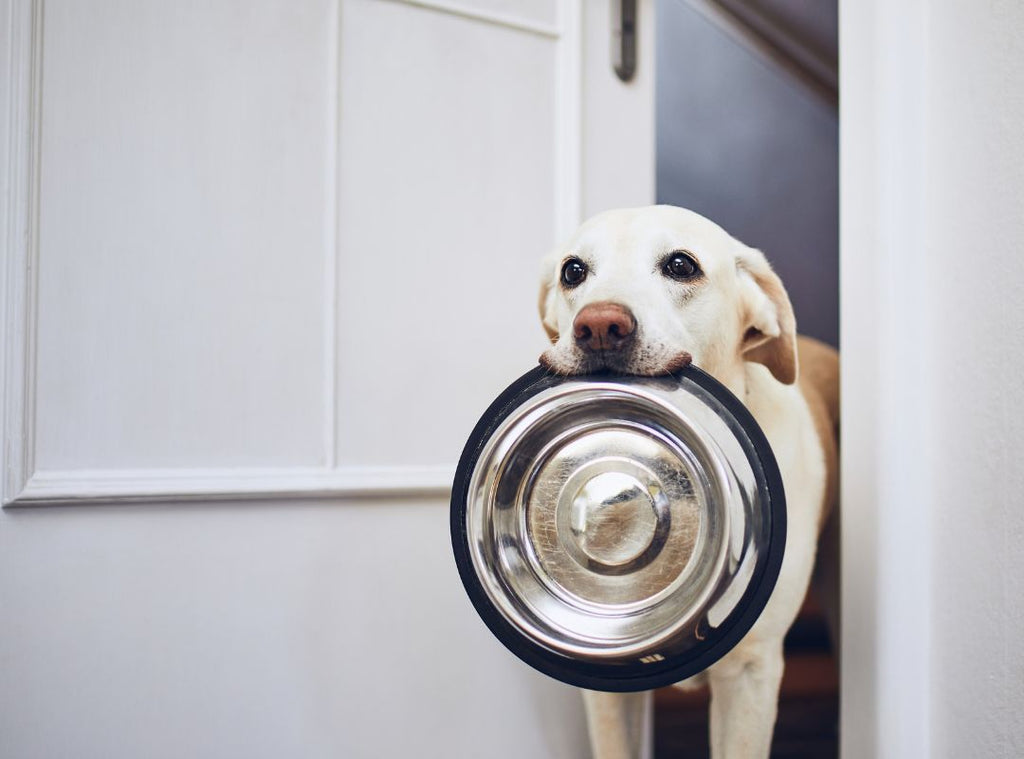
[[618, 533]]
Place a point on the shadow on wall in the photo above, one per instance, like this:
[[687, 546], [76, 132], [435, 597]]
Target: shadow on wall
[[745, 143]]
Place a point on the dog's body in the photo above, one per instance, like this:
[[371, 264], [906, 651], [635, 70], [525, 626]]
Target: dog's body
[[644, 291]]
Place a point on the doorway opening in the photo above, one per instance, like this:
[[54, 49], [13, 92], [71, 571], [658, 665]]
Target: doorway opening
[[746, 100]]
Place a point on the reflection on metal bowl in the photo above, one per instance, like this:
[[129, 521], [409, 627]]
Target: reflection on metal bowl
[[618, 533]]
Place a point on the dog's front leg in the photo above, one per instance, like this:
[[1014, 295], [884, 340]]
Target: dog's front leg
[[618, 723], [744, 700]]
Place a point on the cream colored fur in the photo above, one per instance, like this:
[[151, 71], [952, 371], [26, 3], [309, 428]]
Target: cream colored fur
[[737, 323]]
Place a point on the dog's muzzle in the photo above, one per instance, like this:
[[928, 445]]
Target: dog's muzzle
[[618, 533]]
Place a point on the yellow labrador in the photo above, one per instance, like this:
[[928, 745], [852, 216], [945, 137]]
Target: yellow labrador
[[645, 291]]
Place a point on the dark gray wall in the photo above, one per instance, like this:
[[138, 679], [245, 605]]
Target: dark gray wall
[[741, 142]]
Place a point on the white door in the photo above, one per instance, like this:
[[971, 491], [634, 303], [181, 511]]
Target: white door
[[282, 255]]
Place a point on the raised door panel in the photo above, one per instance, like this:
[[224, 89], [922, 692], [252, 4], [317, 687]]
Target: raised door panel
[[449, 178], [271, 249], [185, 218]]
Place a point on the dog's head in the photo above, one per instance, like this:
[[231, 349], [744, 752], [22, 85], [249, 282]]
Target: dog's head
[[647, 290]]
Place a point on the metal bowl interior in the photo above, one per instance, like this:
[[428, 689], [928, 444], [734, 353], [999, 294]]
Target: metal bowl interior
[[613, 522]]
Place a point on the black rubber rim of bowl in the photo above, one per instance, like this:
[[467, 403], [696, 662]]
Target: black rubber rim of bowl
[[638, 676]]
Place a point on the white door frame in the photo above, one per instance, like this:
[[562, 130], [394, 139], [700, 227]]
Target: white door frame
[[932, 186], [885, 515]]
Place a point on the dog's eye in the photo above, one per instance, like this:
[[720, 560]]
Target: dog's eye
[[574, 271], [680, 265]]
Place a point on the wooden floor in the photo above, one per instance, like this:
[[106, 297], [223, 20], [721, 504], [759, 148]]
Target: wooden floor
[[807, 727]]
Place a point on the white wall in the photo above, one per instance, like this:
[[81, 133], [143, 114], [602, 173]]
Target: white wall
[[933, 355]]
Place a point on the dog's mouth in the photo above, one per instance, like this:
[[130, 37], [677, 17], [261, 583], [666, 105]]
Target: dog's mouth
[[614, 362]]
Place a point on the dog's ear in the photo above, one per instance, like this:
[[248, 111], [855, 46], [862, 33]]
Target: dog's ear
[[769, 336], [548, 293]]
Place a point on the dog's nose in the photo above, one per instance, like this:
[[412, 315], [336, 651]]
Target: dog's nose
[[604, 327]]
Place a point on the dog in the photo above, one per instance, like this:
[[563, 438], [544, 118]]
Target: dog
[[646, 291]]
